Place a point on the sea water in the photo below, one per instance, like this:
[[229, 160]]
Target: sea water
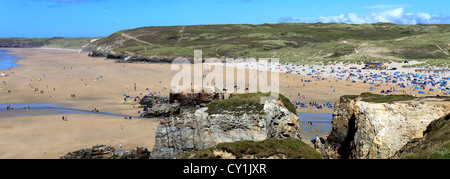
[[320, 122], [42, 108], [7, 60], [316, 118]]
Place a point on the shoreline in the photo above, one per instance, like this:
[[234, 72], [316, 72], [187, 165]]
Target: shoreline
[[13, 61]]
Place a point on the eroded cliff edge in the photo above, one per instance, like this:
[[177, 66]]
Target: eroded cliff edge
[[363, 128]]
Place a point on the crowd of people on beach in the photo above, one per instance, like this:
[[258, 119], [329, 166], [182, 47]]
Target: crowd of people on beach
[[415, 80], [313, 104]]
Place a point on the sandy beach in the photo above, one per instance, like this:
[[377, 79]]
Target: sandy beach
[[50, 76]]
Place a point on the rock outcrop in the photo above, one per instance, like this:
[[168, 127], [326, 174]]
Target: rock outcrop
[[125, 57], [371, 130], [107, 152], [177, 102], [162, 110], [149, 101], [434, 144], [192, 99], [200, 130]]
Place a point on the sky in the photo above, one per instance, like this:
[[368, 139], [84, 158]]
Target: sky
[[97, 18]]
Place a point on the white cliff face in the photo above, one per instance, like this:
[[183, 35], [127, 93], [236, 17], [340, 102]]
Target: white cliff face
[[384, 128]]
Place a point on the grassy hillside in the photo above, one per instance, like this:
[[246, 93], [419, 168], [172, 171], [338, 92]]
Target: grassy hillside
[[288, 147], [55, 42], [291, 42], [68, 43]]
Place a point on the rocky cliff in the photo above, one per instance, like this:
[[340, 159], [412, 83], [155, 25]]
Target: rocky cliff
[[286, 148], [363, 129], [434, 144], [201, 130]]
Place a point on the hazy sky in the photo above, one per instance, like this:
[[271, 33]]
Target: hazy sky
[[94, 18]]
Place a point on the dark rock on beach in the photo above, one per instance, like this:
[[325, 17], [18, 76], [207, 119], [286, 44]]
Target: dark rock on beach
[[162, 110], [107, 152]]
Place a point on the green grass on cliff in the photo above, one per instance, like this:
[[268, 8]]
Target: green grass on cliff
[[288, 147], [245, 103], [379, 98]]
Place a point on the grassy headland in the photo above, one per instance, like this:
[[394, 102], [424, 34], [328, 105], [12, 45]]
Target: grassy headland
[[244, 103]]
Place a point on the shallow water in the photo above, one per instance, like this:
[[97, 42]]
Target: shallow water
[[7, 60], [45, 109], [321, 124], [315, 118]]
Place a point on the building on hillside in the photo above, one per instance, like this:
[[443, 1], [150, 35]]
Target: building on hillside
[[375, 66]]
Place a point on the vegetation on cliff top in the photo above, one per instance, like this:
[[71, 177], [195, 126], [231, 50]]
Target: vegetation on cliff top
[[379, 98], [287, 147], [245, 103]]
